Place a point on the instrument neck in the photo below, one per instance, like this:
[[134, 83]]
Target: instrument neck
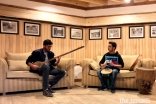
[[64, 54]]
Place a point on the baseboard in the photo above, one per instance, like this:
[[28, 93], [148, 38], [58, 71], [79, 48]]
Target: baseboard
[[77, 80]]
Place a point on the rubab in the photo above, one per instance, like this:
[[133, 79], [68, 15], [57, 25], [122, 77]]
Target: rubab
[[40, 63]]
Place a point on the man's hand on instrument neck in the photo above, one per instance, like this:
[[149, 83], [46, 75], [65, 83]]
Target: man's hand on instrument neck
[[58, 60]]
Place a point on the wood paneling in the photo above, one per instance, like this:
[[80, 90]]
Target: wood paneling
[[125, 46], [21, 43]]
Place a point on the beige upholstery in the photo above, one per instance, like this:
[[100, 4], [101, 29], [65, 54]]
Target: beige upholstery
[[15, 76], [17, 65], [125, 79]]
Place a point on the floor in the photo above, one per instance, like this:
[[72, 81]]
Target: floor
[[80, 95]]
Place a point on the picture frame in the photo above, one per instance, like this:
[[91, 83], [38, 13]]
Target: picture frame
[[58, 31], [9, 26], [152, 31], [76, 33], [32, 29], [136, 32], [95, 34], [114, 33]]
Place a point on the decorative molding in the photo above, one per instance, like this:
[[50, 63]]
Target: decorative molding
[[72, 25], [19, 7]]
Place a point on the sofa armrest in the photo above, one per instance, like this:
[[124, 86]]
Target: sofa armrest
[[3, 71], [66, 64], [85, 69], [85, 62]]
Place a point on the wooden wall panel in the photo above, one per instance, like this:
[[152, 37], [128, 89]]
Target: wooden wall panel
[[144, 46], [21, 43]]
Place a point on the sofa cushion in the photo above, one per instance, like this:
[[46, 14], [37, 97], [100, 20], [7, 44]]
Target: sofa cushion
[[21, 74], [128, 61], [17, 56], [94, 65], [18, 65], [24, 74], [98, 59], [122, 74], [148, 63]]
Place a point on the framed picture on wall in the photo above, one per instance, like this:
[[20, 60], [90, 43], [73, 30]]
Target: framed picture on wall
[[76, 33], [58, 32], [95, 34], [32, 29], [9, 27], [114, 33], [153, 31], [136, 32]]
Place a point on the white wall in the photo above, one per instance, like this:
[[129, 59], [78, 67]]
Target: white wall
[[78, 72]]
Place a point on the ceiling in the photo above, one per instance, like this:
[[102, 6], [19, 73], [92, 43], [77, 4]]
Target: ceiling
[[95, 4]]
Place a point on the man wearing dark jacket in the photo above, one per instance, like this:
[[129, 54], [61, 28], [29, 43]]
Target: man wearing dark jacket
[[47, 69], [112, 60]]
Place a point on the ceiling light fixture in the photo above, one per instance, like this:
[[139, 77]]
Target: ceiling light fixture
[[127, 1]]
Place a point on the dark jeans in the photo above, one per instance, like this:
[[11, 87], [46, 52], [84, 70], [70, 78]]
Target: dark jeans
[[45, 71], [113, 75]]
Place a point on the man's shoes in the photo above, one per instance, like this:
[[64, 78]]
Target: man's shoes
[[47, 93], [102, 88], [112, 89], [51, 90]]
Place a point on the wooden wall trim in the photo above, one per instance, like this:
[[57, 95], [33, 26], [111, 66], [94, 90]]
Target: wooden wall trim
[[72, 25], [54, 23], [19, 7], [124, 24]]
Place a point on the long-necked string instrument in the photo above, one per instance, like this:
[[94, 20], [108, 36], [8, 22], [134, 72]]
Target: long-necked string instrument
[[39, 63]]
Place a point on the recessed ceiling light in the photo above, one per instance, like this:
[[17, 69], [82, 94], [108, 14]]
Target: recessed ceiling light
[[127, 1]]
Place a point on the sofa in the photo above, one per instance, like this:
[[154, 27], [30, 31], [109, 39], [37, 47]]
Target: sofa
[[15, 75], [125, 79]]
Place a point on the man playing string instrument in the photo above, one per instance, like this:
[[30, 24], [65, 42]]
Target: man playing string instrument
[[112, 60], [47, 69]]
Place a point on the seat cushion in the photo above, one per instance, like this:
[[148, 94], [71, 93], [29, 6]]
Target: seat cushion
[[24, 74], [21, 74], [126, 73], [122, 74]]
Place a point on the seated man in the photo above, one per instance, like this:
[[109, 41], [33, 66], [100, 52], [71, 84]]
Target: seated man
[[114, 61], [47, 69]]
